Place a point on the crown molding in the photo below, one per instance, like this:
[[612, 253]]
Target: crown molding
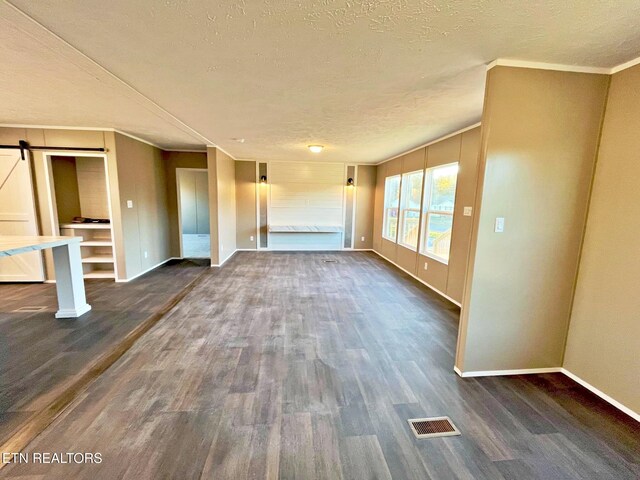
[[507, 62], [210, 145], [431, 142], [625, 65]]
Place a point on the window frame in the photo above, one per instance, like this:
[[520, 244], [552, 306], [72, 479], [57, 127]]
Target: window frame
[[426, 212], [385, 209], [401, 210]]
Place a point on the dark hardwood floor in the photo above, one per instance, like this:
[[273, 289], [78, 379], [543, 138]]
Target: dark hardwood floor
[[40, 355], [280, 365]]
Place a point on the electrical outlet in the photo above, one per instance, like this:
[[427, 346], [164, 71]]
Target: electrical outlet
[[499, 227], [129, 203], [468, 211], [251, 238], [426, 265], [362, 239], [146, 254]]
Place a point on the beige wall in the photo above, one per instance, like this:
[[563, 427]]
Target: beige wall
[[246, 222], [365, 193], [222, 198], [67, 195], [603, 346], [173, 160], [446, 278], [540, 135], [145, 227]]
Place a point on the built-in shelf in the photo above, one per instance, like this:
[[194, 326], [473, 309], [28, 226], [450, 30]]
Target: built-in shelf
[[98, 259], [97, 243], [86, 226], [100, 274], [304, 229]]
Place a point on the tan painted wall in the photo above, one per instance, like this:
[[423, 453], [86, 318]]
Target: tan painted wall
[[222, 198], [173, 160], [141, 178], [65, 178], [540, 133], [448, 279], [246, 223], [365, 193], [603, 346]]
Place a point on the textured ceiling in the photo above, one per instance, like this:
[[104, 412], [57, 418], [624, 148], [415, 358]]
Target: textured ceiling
[[366, 78]]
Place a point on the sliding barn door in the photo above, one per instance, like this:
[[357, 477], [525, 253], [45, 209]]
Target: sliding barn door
[[18, 217]]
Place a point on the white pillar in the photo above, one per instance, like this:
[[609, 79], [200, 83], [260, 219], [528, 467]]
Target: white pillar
[[69, 281]]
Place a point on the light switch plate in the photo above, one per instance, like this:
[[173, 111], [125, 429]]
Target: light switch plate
[[426, 265], [129, 203], [468, 211], [499, 227]]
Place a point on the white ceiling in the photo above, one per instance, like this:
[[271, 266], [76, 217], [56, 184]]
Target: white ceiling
[[366, 78]]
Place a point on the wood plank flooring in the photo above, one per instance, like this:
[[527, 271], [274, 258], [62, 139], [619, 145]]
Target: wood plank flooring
[[280, 365], [40, 355]]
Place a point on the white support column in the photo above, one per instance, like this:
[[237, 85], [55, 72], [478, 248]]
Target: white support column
[[69, 281]]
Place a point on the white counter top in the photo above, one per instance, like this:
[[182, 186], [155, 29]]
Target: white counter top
[[17, 244]]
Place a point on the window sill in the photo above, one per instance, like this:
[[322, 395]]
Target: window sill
[[408, 247]]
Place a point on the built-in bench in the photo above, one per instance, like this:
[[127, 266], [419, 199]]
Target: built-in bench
[[305, 237], [304, 229]]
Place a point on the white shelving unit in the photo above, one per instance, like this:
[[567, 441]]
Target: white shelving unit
[[96, 247]]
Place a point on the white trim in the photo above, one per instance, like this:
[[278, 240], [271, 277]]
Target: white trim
[[455, 302], [210, 145], [73, 312], [218, 265], [624, 66], [138, 139], [602, 395], [55, 127], [496, 373], [125, 280], [506, 62], [179, 150], [564, 371], [179, 170], [246, 250], [98, 129], [430, 142], [357, 249]]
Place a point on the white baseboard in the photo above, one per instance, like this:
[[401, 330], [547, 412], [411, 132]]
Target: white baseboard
[[602, 395], [497, 373], [73, 312], [442, 294], [125, 280], [564, 371], [218, 265]]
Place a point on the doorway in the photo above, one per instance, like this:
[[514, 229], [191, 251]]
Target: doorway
[[193, 212], [18, 217]]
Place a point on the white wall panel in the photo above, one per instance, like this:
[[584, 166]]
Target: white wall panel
[[306, 194]]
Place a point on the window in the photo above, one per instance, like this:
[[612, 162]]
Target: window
[[410, 209], [437, 215], [391, 200]]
